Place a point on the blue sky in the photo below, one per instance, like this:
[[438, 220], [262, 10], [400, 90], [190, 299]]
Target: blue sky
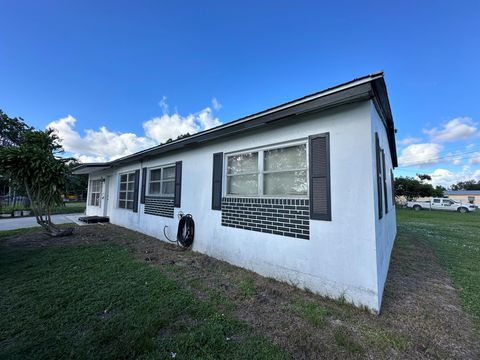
[[134, 73]]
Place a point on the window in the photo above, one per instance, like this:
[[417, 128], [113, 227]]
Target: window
[[436, 201], [95, 191], [127, 191], [162, 181], [270, 172]]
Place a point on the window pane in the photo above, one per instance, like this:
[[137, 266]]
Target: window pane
[[169, 173], [168, 187], [294, 157], [130, 186], [121, 204], [131, 177], [155, 174], [130, 205], [154, 188], [286, 183], [123, 186], [122, 195], [242, 185], [123, 178], [130, 195], [244, 163]]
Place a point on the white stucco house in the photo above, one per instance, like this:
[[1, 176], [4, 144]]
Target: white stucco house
[[301, 192]]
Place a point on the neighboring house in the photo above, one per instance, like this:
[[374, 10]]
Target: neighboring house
[[301, 192], [464, 196]]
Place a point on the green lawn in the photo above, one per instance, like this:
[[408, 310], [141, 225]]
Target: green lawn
[[98, 302], [456, 240], [70, 208], [125, 295]]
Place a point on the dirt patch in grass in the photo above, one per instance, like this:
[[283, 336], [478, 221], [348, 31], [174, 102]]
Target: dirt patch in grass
[[421, 317]]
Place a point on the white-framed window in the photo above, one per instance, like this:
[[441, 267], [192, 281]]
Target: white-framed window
[[95, 191], [126, 190], [161, 181], [278, 171]]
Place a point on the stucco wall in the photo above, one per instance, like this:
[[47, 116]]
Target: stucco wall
[[386, 227], [339, 259]]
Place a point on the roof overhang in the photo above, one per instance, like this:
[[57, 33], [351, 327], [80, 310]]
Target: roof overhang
[[370, 87], [89, 168]]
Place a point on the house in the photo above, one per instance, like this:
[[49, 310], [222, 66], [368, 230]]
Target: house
[[301, 192], [464, 196]]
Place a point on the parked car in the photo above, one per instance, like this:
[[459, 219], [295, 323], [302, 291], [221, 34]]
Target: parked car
[[441, 204]]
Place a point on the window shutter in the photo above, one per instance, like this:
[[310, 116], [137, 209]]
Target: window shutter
[[384, 173], [135, 191], [178, 184], [320, 197], [217, 181], [379, 177], [144, 185], [392, 179]]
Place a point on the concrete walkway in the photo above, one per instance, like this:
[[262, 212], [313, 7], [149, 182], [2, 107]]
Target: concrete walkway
[[26, 222]]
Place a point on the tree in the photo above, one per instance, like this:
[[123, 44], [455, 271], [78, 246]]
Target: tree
[[413, 188], [33, 164], [12, 130], [467, 185]]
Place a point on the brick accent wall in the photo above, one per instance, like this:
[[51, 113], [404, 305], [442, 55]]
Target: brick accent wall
[[159, 206], [286, 217]]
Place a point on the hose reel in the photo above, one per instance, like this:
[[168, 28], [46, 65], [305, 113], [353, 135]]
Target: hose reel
[[185, 231]]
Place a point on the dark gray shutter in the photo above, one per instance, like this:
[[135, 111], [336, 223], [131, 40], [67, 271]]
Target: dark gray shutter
[[384, 173], [178, 184], [135, 191], [379, 177], [320, 197], [392, 179], [144, 185], [217, 181]]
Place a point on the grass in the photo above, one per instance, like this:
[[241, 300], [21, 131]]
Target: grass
[[70, 208], [97, 301], [16, 232], [345, 340], [310, 311], [247, 287], [456, 240]]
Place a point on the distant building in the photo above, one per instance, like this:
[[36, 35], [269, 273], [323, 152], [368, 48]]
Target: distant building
[[464, 196]]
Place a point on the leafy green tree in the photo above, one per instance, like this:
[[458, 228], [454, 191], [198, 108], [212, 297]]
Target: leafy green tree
[[12, 130], [467, 185], [412, 188], [33, 164]]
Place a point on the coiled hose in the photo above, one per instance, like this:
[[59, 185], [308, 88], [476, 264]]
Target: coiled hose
[[185, 231]]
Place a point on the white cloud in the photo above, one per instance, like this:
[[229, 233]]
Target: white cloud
[[104, 145], [215, 104], [447, 178], [168, 126], [420, 154], [97, 145], [460, 128], [475, 158], [409, 140]]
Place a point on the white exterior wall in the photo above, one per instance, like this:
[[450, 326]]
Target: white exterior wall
[[339, 259], [386, 227]]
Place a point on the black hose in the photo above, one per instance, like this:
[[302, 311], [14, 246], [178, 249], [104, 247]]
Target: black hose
[[185, 232]]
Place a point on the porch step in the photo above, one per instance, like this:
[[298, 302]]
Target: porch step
[[94, 219]]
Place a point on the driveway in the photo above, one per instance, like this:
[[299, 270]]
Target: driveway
[[26, 222]]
